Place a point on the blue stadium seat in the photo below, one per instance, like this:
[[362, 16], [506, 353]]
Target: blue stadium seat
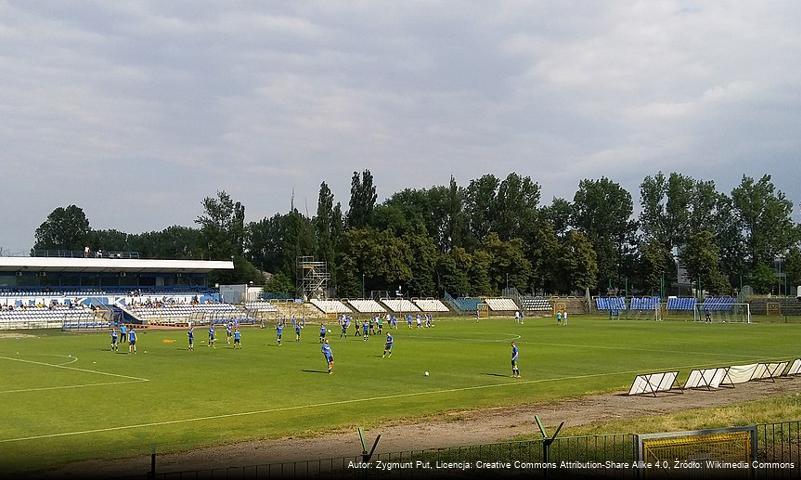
[[719, 304], [610, 303], [645, 303], [469, 304], [681, 304]]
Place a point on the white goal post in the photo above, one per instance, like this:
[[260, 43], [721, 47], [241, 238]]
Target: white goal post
[[734, 313], [649, 314]]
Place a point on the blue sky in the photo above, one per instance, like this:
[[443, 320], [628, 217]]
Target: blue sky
[[137, 110]]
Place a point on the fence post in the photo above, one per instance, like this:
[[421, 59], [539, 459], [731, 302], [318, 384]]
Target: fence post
[[547, 441], [366, 456], [152, 473]]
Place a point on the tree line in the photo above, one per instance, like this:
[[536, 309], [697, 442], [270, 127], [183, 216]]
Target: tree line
[[492, 233]]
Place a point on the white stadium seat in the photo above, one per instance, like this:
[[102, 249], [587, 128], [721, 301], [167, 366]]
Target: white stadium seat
[[331, 306], [367, 306], [431, 305], [400, 305], [261, 306], [536, 304], [501, 304]]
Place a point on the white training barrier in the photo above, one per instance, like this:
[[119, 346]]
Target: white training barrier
[[714, 378], [742, 373], [652, 383], [769, 371], [795, 368], [708, 378]]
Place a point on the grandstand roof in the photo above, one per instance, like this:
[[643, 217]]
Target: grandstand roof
[[57, 264]]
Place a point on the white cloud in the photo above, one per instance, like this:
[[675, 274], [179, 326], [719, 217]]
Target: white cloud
[[122, 106]]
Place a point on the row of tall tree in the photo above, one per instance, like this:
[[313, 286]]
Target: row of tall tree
[[489, 234]]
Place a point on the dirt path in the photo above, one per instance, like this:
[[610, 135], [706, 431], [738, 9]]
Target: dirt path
[[451, 429]]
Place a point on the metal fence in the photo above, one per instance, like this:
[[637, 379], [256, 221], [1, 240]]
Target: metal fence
[[84, 254], [780, 443], [776, 443], [589, 448]]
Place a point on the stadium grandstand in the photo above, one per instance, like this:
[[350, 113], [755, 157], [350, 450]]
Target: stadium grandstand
[[536, 304], [644, 308], [64, 291], [681, 304], [644, 303], [331, 306], [24, 317], [463, 304], [182, 314], [261, 307], [430, 305], [610, 303], [296, 308], [366, 306], [501, 304], [721, 304], [400, 305]]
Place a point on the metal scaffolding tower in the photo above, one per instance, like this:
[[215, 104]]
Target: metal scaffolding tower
[[312, 278]]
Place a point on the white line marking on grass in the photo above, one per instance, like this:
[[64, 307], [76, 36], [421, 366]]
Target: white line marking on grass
[[74, 359], [511, 337], [650, 350], [85, 370], [330, 404], [38, 389]]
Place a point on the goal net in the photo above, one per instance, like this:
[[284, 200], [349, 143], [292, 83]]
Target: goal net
[[735, 444], [731, 313], [654, 313], [645, 308]]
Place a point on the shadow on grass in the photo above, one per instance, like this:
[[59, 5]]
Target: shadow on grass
[[495, 375], [315, 371]]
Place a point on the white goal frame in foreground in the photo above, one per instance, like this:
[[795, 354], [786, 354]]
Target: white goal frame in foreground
[[739, 313], [733, 444]]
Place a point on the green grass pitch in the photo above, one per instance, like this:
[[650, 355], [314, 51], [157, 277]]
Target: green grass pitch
[[66, 397]]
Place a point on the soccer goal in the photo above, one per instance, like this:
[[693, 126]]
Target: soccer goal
[[654, 313], [729, 445], [732, 313]]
